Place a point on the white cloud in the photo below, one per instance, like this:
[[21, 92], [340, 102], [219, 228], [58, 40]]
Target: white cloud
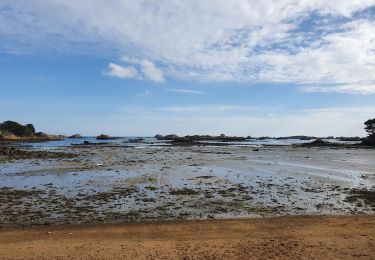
[[240, 40], [118, 71], [186, 91], [151, 72], [359, 89], [147, 68]]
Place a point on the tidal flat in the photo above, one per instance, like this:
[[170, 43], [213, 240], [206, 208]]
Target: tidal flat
[[114, 183]]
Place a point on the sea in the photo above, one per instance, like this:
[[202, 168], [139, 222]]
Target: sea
[[140, 142]]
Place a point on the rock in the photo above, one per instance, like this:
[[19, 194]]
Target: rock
[[5, 135], [196, 138], [16, 153], [104, 137], [18, 129], [136, 140], [221, 138], [318, 142], [159, 137], [170, 137], [41, 134], [76, 136], [233, 139], [13, 131], [183, 141]]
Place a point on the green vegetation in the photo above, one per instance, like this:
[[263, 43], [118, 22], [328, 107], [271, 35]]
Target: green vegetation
[[18, 129], [13, 131], [370, 129]]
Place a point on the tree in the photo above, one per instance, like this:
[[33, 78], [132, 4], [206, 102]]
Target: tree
[[370, 127]]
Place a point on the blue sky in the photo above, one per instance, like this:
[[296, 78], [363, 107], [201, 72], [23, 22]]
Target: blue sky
[[188, 67]]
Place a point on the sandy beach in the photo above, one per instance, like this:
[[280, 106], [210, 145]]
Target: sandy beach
[[268, 238]]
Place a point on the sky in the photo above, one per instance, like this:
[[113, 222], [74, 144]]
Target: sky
[[139, 68]]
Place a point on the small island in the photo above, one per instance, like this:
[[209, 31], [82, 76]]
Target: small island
[[13, 131]]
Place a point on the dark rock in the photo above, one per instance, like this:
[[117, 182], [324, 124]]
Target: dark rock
[[76, 136], [263, 138], [170, 137], [350, 139], [221, 138], [136, 140], [183, 141], [15, 153], [299, 137], [5, 135], [159, 137], [104, 137], [41, 134], [319, 142]]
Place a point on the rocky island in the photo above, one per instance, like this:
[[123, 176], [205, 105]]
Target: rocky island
[[12, 131]]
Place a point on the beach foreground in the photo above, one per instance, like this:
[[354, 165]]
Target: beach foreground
[[300, 237]]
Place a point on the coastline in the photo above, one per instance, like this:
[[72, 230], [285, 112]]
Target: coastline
[[289, 237]]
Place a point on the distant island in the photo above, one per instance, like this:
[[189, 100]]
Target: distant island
[[13, 131]]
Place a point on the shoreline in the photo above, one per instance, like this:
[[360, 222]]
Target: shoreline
[[172, 221], [287, 237]]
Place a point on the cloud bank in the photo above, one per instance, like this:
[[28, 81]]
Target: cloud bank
[[316, 45]]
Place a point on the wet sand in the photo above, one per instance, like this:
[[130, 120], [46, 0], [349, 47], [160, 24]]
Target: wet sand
[[116, 184], [301, 237]]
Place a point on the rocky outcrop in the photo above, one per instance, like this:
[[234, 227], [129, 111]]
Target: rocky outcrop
[[105, 137], [319, 142], [170, 137], [159, 136], [15, 153], [76, 136], [13, 131], [299, 137], [18, 129], [197, 138], [7, 136]]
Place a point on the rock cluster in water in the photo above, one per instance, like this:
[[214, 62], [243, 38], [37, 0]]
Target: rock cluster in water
[[196, 138], [105, 137], [76, 136]]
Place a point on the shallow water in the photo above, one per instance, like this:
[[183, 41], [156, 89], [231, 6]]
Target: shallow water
[[167, 182]]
